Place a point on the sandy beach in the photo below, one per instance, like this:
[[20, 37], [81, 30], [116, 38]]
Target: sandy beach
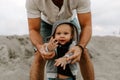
[[16, 55]]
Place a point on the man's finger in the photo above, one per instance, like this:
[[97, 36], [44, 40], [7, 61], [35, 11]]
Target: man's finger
[[48, 56]]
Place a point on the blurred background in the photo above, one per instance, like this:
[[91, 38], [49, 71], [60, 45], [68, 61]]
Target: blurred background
[[16, 52], [105, 17]]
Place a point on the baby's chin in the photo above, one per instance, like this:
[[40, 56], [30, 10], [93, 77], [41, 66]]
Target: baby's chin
[[61, 43]]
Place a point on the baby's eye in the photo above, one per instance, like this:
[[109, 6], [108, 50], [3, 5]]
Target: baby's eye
[[66, 33]]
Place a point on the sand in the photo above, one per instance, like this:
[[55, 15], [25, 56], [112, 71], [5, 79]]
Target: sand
[[16, 55]]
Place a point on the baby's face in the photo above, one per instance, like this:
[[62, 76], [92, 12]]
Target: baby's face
[[63, 34]]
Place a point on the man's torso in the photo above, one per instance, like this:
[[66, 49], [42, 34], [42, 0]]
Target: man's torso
[[50, 12]]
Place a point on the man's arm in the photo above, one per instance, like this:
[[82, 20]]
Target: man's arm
[[86, 28], [86, 31], [34, 31]]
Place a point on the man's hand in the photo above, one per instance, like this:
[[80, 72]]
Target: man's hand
[[76, 54], [44, 54], [47, 50], [48, 56]]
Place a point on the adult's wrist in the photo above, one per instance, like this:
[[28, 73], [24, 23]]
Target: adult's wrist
[[37, 47], [81, 47]]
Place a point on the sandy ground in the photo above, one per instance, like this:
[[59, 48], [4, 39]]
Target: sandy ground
[[16, 55]]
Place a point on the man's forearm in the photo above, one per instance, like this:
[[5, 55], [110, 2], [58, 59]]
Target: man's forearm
[[86, 28], [36, 38], [85, 36], [34, 31]]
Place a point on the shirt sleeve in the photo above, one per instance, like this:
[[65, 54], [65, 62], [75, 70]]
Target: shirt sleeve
[[83, 6], [32, 9]]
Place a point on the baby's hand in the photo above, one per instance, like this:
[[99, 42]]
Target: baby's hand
[[61, 62], [52, 44]]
